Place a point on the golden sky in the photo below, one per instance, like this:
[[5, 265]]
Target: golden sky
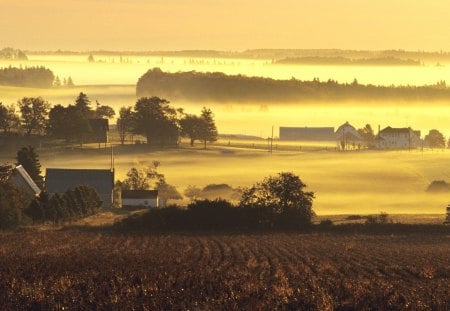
[[224, 24]]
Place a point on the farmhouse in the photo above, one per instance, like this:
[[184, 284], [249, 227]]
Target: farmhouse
[[59, 180], [398, 138], [307, 133], [21, 180], [140, 198]]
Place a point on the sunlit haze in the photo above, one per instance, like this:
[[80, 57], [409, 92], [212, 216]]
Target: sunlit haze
[[224, 24]]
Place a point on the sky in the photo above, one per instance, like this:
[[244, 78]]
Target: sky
[[224, 24]]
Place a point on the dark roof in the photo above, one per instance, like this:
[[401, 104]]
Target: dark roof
[[20, 171], [401, 130], [307, 133], [58, 180], [139, 194]]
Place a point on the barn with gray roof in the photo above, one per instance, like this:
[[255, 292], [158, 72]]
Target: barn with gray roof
[[59, 180]]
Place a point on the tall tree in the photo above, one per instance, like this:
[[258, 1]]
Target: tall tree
[[208, 129], [70, 82], [68, 123], [8, 118], [125, 123], [191, 127], [157, 120], [34, 111], [435, 139], [103, 111], [29, 159], [281, 194], [367, 134], [83, 103]]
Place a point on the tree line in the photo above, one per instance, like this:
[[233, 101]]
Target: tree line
[[344, 61], [39, 76], [12, 54], [152, 117], [163, 124], [217, 86]]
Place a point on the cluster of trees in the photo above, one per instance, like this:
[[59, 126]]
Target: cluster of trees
[[12, 54], [277, 202], [40, 77], [152, 117], [163, 125], [16, 206], [64, 83], [339, 60], [76, 203], [36, 116], [72, 122], [149, 178], [218, 86], [213, 191]]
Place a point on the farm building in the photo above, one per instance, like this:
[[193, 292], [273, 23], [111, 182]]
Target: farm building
[[140, 198], [59, 180], [307, 133], [346, 135], [398, 138], [21, 180]]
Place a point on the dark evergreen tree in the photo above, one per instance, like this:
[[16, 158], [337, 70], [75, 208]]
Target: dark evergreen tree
[[208, 129]]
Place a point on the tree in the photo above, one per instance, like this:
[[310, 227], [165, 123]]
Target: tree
[[367, 134], [29, 159], [104, 111], [192, 192], [191, 126], [83, 103], [435, 139], [57, 82], [283, 195], [208, 129], [91, 58], [167, 192], [12, 202], [68, 123], [156, 120], [142, 178], [125, 123], [70, 82], [34, 111], [8, 118]]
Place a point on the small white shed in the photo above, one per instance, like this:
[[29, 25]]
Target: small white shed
[[140, 198]]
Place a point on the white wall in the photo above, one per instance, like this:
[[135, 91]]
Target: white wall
[[140, 202]]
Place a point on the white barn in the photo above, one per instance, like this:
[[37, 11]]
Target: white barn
[[398, 138], [140, 198]]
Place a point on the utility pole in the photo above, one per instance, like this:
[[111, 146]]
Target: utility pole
[[271, 142]]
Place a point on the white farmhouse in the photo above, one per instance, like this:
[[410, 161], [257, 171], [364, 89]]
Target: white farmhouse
[[140, 198], [398, 138]]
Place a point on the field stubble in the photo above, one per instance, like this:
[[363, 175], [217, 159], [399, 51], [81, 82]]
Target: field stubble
[[76, 269]]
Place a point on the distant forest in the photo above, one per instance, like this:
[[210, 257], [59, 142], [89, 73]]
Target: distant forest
[[40, 77], [275, 54], [218, 86], [12, 54], [343, 61]]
